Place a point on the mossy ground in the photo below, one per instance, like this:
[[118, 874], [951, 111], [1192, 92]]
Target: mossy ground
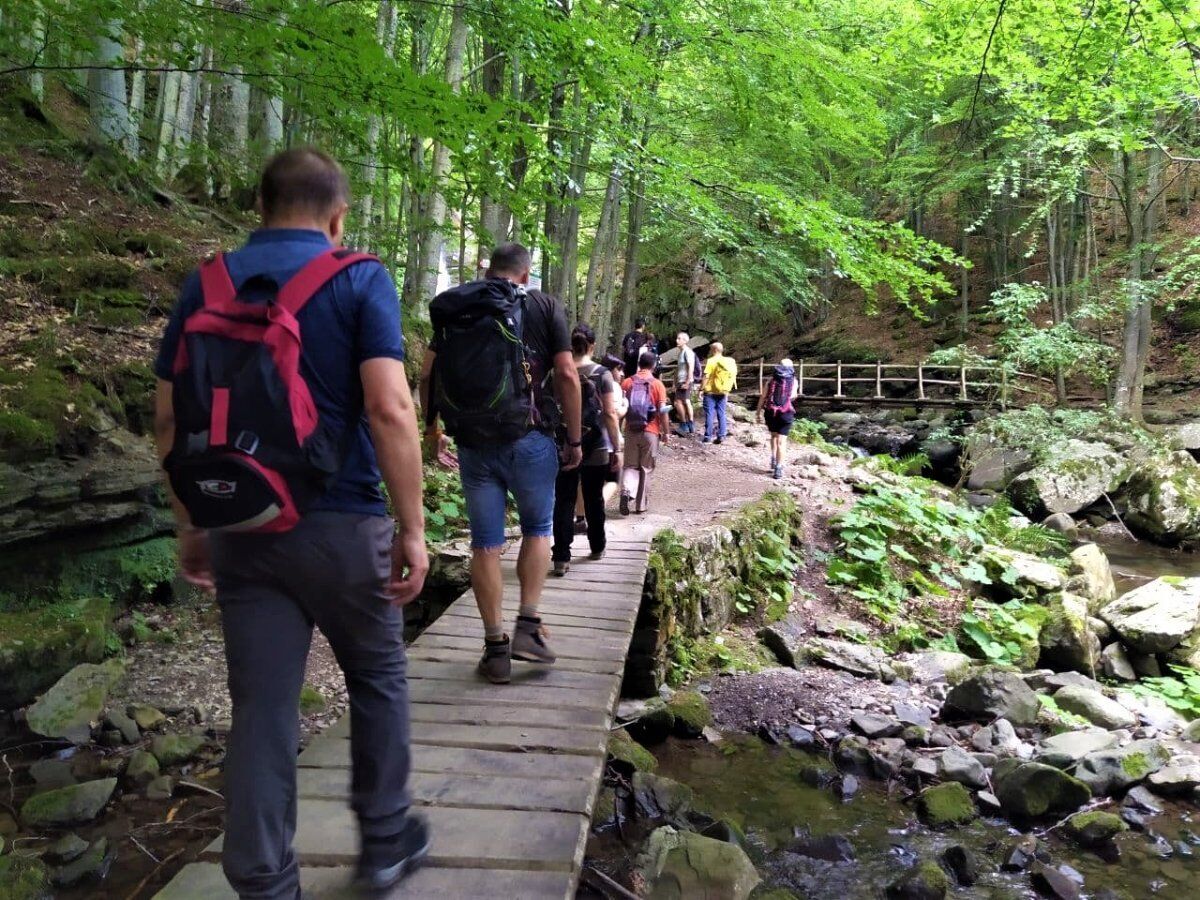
[[625, 750], [946, 805]]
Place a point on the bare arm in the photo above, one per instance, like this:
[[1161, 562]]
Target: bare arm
[[566, 384], [193, 542], [612, 423], [424, 387], [388, 402]]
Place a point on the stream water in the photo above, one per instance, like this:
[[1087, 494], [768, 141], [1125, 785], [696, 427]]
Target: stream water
[[762, 790]]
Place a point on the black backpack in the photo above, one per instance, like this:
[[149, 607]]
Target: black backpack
[[482, 381], [592, 417]]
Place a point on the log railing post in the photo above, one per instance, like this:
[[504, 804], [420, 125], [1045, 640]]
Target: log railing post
[[920, 381], [1003, 388], [962, 383], [800, 379], [878, 379], [761, 367], [839, 393]]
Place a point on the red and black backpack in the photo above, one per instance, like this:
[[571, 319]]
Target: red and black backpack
[[250, 451]]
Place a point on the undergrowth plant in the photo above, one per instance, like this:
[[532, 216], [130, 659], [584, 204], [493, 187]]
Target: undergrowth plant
[[909, 540], [1180, 691], [445, 509]]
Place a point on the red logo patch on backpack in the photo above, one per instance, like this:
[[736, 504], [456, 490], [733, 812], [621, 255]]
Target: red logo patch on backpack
[[250, 452]]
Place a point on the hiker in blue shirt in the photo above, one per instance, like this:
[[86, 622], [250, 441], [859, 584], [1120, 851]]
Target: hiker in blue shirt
[[344, 565]]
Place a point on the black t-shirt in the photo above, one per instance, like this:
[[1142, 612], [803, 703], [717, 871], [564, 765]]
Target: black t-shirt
[[632, 346]]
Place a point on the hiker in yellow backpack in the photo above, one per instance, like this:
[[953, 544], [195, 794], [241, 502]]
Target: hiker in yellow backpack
[[720, 379]]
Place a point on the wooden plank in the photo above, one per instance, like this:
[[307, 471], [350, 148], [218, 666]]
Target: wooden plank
[[554, 619], [468, 791], [575, 718], [335, 753], [420, 655], [434, 691], [206, 881], [465, 626], [510, 738], [574, 648], [327, 835], [551, 676]]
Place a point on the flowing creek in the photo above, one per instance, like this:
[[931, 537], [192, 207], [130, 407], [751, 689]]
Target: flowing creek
[[762, 790]]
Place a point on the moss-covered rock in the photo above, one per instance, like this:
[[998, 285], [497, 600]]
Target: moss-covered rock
[[1066, 641], [143, 768], [312, 701], [39, 646], [925, 881], [148, 718], [662, 799], [1033, 790], [1162, 499], [23, 878], [625, 751], [75, 701], [71, 805], [690, 712], [175, 749], [694, 584], [676, 864], [946, 805], [1090, 829]]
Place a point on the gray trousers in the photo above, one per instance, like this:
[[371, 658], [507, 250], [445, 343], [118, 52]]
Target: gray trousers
[[330, 570]]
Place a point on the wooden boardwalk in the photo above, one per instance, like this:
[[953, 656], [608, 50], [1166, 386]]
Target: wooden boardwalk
[[507, 774]]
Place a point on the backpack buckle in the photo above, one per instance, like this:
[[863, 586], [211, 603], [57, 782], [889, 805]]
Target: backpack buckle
[[247, 442]]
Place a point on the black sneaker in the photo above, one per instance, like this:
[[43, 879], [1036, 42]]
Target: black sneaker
[[384, 862], [496, 664], [718, 440], [624, 505]]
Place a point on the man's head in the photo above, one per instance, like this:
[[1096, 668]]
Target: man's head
[[647, 361], [681, 339], [305, 188], [639, 324], [716, 348], [512, 262]]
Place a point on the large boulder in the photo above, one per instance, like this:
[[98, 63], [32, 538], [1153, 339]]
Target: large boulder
[[1114, 770], [992, 465], [1162, 499], [1157, 616], [38, 646], [936, 666], [662, 799], [1074, 475], [1091, 570], [69, 805], [1066, 641], [1020, 575], [70, 708], [1179, 777], [991, 694], [1032, 790], [1095, 707], [682, 864], [857, 659], [946, 805], [1066, 749]]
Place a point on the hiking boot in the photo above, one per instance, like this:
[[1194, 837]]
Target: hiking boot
[[718, 440], [561, 568], [706, 440], [496, 664], [680, 432], [580, 525], [778, 471], [529, 642], [596, 554], [624, 505], [384, 862]]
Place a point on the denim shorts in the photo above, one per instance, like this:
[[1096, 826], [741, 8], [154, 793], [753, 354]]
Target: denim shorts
[[526, 468]]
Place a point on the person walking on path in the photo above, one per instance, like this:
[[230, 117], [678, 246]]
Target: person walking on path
[[685, 378], [497, 348], [646, 429], [338, 562], [601, 441], [720, 379], [777, 399], [634, 343]]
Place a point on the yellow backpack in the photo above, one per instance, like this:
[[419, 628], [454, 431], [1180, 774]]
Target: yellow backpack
[[721, 375]]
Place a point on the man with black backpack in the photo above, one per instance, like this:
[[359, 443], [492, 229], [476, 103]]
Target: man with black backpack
[[646, 429], [281, 404], [499, 354], [634, 343], [777, 399]]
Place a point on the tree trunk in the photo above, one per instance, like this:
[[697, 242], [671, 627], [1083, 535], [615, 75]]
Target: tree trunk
[[433, 251], [385, 34], [37, 37], [137, 101], [109, 109], [609, 216], [964, 301]]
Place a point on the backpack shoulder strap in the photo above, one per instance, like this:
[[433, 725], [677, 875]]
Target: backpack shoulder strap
[[315, 274], [216, 286]]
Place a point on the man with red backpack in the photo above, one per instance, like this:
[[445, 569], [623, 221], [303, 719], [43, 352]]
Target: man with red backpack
[[646, 428], [281, 405], [777, 401]]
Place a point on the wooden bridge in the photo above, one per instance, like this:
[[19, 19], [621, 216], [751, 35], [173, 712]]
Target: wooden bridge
[[897, 384], [506, 774]]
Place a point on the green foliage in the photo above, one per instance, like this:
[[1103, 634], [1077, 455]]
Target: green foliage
[[1060, 715], [1040, 430], [445, 508], [1064, 347], [1180, 691], [908, 538], [912, 464], [1005, 633]]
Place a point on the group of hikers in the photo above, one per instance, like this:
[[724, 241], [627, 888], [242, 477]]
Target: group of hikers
[[290, 440]]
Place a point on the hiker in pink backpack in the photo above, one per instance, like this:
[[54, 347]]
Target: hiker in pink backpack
[[776, 400], [646, 429], [282, 404]]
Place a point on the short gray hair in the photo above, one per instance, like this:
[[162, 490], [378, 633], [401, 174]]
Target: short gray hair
[[684, 335]]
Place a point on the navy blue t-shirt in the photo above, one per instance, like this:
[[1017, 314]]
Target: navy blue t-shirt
[[355, 317]]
